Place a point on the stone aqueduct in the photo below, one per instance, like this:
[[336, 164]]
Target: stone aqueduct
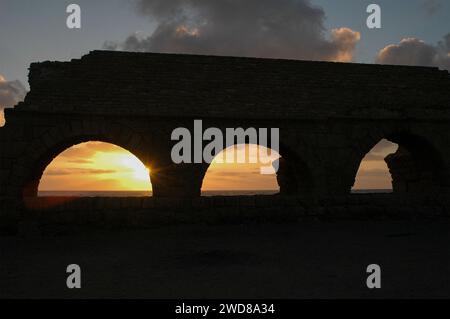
[[329, 114]]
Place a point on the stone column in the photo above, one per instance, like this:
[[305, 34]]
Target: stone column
[[409, 174], [286, 178], [182, 180]]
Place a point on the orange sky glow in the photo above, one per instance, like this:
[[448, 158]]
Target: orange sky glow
[[97, 166], [2, 118]]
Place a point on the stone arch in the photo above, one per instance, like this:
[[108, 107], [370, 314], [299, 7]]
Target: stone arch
[[418, 166], [373, 173], [40, 151], [247, 169], [293, 175]]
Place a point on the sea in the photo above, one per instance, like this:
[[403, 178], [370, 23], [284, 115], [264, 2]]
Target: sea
[[205, 193]]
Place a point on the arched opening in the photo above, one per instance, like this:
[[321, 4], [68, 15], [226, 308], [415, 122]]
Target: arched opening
[[95, 169], [244, 169], [414, 166], [373, 173]]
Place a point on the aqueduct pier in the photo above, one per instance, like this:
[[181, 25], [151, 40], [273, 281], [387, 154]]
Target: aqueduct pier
[[329, 115]]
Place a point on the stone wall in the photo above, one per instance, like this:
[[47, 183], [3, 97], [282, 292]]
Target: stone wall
[[126, 83], [330, 115], [145, 212]]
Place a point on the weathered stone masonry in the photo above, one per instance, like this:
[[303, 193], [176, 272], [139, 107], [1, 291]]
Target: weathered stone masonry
[[329, 114]]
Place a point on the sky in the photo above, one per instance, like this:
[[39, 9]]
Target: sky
[[414, 32], [97, 166], [33, 31]]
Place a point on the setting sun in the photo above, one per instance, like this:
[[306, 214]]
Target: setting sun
[[140, 172], [103, 167], [96, 166]]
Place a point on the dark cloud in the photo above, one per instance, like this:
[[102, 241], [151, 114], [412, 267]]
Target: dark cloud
[[412, 51], [431, 7], [444, 44], [261, 28], [11, 93]]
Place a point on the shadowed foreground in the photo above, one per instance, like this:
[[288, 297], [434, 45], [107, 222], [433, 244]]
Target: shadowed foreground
[[303, 260]]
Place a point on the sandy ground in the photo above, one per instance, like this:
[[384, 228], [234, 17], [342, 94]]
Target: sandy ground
[[305, 260]]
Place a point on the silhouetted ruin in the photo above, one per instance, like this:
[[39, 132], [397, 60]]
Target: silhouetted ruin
[[330, 116]]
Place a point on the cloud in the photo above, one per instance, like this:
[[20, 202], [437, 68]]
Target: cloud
[[81, 153], [376, 172], [103, 147], [260, 28], [11, 93], [238, 173], [346, 40], [431, 7], [374, 157], [412, 51], [80, 161], [83, 171], [383, 148]]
